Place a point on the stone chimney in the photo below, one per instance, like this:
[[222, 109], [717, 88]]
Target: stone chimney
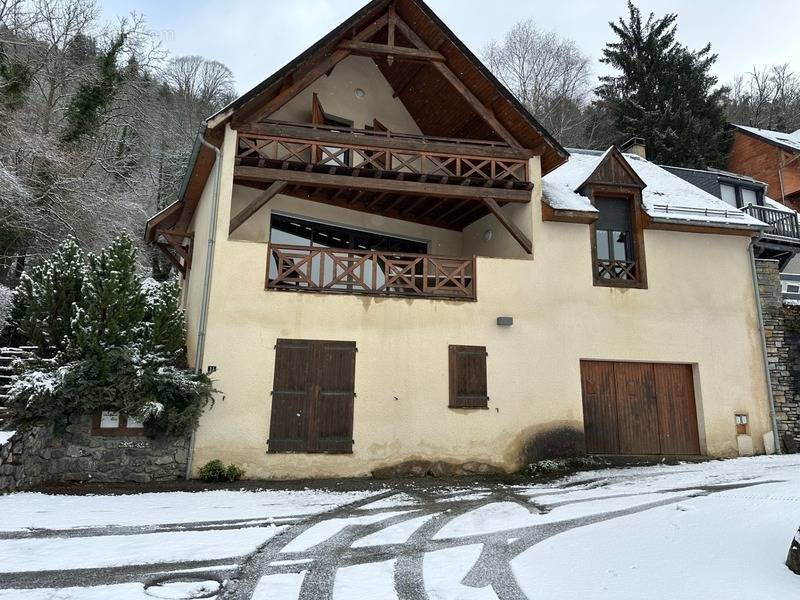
[[635, 146]]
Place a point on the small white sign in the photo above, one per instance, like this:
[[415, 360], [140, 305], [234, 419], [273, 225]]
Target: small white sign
[[134, 423], [109, 420]]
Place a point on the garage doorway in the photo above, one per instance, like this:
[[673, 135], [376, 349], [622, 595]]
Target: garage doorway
[[639, 408]]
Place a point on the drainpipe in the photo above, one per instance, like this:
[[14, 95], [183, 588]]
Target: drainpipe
[[760, 314], [209, 267]]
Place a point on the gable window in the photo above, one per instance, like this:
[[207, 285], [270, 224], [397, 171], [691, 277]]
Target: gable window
[[467, 366]]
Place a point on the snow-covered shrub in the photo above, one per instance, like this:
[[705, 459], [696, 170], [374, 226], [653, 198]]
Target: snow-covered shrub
[[122, 348]]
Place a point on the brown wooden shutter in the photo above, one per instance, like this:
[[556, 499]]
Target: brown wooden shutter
[[468, 377], [332, 410], [291, 396]]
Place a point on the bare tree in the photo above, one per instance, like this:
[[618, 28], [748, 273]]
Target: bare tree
[[768, 97], [548, 74]]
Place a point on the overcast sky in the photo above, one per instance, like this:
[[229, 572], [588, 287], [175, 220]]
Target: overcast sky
[[256, 37]]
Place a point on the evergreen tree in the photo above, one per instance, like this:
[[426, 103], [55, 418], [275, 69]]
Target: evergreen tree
[[43, 304], [164, 331], [665, 93], [113, 306]]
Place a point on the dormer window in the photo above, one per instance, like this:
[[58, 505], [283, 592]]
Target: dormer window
[[616, 259], [617, 249]]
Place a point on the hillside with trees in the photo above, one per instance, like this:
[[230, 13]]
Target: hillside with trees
[[96, 127]]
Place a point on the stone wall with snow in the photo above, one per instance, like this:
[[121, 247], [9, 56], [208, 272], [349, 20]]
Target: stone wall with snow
[[48, 454]]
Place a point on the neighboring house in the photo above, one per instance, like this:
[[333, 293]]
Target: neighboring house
[[392, 260], [781, 240], [769, 156]]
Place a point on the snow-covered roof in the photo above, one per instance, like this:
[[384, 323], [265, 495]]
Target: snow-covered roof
[[666, 197], [792, 140]]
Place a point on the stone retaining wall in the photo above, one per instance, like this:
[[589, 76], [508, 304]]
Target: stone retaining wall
[[782, 336], [44, 454]]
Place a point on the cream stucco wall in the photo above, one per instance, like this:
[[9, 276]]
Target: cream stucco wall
[[533, 367]]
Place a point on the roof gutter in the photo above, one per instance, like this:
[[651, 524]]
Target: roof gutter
[[765, 361], [702, 223]]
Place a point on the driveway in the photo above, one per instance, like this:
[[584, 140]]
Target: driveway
[[708, 530]]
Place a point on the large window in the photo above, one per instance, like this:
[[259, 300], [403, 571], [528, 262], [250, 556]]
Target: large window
[[615, 244], [323, 268]]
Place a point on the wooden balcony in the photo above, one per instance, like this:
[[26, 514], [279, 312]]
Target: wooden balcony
[[372, 273], [782, 224], [404, 157], [447, 183]]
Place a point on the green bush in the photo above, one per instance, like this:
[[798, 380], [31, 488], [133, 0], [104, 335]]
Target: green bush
[[214, 470]]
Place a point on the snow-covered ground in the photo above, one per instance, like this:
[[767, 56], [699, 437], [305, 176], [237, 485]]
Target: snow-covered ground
[[692, 531]]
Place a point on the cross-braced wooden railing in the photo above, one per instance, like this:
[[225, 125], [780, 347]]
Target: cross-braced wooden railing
[[344, 271], [371, 155], [616, 270]]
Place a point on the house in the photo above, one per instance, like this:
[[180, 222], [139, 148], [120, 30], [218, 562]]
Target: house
[[769, 156], [386, 258], [781, 240]]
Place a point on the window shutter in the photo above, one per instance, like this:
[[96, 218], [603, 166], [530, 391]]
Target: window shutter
[[332, 419], [468, 377], [288, 430]]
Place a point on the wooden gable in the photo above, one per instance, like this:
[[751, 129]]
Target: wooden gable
[[613, 170], [445, 88]]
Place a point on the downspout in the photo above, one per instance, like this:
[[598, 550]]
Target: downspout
[[765, 361], [209, 267]]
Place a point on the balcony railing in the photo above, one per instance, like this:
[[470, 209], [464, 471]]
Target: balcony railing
[[781, 223], [351, 151], [344, 271]]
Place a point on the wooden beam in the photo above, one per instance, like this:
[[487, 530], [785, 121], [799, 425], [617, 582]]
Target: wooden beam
[[390, 30], [251, 209], [471, 99], [515, 231], [411, 188], [311, 75], [400, 52]]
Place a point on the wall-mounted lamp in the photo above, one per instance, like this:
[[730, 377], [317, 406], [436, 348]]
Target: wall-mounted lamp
[[488, 235], [505, 321], [360, 93]]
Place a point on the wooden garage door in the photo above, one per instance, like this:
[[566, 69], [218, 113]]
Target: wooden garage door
[[639, 408], [312, 396]]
